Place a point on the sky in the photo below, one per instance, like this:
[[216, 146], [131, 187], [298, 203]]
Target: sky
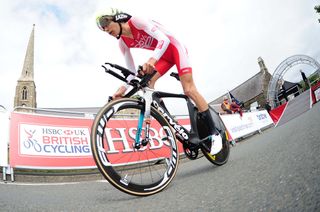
[[224, 40]]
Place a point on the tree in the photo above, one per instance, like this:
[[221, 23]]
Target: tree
[[317, 8]]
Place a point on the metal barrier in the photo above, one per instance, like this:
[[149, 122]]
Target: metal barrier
[[4, 142]]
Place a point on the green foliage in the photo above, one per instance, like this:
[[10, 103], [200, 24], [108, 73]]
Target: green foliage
[[314, 79]]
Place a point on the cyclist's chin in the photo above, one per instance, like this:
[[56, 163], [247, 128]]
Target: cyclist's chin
[[112, 34]]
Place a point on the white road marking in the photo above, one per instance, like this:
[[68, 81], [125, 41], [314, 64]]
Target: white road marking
[[49, 184]]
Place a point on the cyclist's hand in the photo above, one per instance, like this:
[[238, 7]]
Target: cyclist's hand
[[119, 93], [149, 67]]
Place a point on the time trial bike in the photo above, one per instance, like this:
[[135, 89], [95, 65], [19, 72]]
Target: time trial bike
[[133, 139]]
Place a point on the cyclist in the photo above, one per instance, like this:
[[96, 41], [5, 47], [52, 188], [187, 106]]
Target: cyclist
[[133, 32]]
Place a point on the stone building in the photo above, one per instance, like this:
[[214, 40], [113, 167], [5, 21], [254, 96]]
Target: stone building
[[25, 95], [255, 89]]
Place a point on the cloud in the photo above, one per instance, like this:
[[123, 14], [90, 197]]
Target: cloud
[[224, 40]]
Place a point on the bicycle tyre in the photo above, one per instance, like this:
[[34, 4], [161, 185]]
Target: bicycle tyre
[[203, 131], [140, 172], [221, 157]]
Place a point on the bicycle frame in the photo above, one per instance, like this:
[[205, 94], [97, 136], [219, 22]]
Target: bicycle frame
[[146, 170], [183, 135]]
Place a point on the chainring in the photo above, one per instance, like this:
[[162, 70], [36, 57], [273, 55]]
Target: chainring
[[192, 154]]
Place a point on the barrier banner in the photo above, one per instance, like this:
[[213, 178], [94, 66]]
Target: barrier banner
[[50, 142], [4, 138], [250, 122], [276, 113], [315, 93]]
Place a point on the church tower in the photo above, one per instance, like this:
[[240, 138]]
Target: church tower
[[26, 89], [263, 67], [266, 76]]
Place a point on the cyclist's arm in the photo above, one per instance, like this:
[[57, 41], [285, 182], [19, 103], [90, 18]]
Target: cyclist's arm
[[150, 28], [130, 65], [128, 58]]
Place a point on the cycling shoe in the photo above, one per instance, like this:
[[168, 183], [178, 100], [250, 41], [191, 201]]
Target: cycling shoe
[[216, 145]]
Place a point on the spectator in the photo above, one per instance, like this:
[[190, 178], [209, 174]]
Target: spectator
[[225, 105], [235, 108], [230, 108]]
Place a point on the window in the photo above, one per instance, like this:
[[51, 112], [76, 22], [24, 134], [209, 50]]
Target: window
[[24, 93]]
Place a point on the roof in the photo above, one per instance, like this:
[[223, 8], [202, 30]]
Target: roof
[[247, 90], [287, 85]]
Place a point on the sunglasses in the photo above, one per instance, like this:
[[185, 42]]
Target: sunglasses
[[103, 22]]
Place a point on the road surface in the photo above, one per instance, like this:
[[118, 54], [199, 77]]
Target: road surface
[[278, 170]]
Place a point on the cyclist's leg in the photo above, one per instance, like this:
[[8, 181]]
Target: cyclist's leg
[[191, 91], [180, 56], [162, 67], [189, 88]]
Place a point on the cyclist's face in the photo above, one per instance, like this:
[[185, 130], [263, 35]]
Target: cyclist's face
[[112, 28]]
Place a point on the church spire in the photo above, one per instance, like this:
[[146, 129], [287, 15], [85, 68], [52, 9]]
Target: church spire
[[26, 89], [27, 71]]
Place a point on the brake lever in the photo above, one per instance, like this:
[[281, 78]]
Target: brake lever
[[140, 72], [175, 75]]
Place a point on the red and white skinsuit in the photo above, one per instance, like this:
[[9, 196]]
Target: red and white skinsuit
[[152, 36]]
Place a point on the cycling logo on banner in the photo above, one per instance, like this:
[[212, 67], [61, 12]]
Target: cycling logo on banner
[[39, 140]]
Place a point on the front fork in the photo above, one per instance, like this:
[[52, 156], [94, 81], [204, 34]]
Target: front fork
[[145, 116]]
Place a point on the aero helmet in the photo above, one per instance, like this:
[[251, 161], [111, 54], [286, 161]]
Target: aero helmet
[[111, 14]]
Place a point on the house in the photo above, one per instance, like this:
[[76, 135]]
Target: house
[[255, 89]]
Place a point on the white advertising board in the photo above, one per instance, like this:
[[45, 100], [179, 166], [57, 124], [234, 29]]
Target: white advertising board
[[249, 123]]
